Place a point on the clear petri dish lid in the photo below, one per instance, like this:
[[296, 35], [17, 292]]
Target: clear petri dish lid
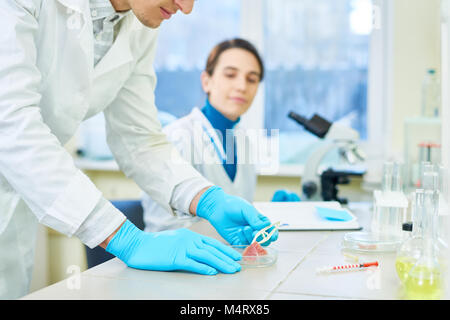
[[370, 242], [261, 259]]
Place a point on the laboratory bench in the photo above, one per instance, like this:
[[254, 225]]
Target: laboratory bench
[[55, 252], [292, 277]]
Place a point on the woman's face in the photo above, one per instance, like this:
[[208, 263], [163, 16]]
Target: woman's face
[[234, 82]]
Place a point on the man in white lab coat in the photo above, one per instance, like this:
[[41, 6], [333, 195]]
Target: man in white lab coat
[[64, 61]]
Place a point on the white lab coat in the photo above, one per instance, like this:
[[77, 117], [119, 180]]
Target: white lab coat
[[189, 137], [48, 86]]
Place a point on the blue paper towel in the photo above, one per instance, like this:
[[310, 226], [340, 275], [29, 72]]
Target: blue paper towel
[[333, 214]]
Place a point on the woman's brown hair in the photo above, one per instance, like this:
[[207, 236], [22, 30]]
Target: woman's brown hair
[[230, 44]]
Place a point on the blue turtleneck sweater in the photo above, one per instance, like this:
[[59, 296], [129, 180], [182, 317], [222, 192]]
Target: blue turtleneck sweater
[[225, 126]]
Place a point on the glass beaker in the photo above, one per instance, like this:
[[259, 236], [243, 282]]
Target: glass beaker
[[390, 204]]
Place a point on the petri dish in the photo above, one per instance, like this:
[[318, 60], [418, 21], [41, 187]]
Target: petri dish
[[370, 242], [257, 261]]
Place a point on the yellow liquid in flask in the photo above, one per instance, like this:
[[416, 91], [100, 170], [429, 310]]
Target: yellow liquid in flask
[[403, 266], [424, 283]]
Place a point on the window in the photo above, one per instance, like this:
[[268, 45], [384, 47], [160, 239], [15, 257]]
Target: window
[[316, 55]]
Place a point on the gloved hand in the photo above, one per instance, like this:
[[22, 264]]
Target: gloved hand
[[234, 218], [180, 249], [285, 196]]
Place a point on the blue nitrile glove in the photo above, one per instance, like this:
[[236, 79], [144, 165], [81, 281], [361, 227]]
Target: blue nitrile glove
[[180, 249], [285, 196], [234, 218]]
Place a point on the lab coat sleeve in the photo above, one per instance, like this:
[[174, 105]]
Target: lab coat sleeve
[[182, 138], [135, 136], [32, 159]]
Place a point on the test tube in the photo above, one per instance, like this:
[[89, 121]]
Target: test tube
[[388, 171], [443, 182], [430, 177], [397, 177], [443, 214], [431, 206], [418, 210], [422, 167]]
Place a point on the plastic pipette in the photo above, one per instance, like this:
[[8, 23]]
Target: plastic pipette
[[348, 267]]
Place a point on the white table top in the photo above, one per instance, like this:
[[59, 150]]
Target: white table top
[[293, 276]]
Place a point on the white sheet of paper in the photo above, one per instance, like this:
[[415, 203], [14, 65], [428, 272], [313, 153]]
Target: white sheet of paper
[[303, 215]]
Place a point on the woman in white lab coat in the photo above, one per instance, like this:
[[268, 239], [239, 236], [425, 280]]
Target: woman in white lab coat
[[206, 137]]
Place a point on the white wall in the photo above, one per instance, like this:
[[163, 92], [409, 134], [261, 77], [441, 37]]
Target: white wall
[[415, 48]]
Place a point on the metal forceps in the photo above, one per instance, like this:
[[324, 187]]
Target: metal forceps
[[264, 234]]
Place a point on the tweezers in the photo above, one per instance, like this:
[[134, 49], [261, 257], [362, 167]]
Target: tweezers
[[264, 234]]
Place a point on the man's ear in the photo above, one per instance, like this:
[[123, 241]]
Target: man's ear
[[205, 80]]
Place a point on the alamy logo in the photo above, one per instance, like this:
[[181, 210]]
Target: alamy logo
[[253, 147], [74, 281], [374, 279], [376, 17]]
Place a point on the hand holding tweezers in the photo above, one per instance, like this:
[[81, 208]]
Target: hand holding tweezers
[[264, 234]]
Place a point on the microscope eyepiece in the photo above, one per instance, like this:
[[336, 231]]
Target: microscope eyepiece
[[298, 118], [316, 125]]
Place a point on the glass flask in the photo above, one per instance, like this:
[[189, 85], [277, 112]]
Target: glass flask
[[411, 248], [425, 280], [434, 178]]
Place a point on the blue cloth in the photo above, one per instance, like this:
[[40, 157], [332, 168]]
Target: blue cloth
[[225, 126], [235, 219], [333, 214], [285, 196], [179, 249]]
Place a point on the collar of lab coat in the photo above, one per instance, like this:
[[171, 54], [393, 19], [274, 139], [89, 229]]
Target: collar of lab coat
[[120, 52], [80, 6], [197, 115]]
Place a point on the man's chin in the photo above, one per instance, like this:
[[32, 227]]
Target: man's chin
[[153, 24]]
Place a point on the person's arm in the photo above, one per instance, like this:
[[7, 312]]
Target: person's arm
[[192, 210], [32, 159], [136, 139], [194, 202], [143, 152], [105, 243]]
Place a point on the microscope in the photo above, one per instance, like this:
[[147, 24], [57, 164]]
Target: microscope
[[323, 186]]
